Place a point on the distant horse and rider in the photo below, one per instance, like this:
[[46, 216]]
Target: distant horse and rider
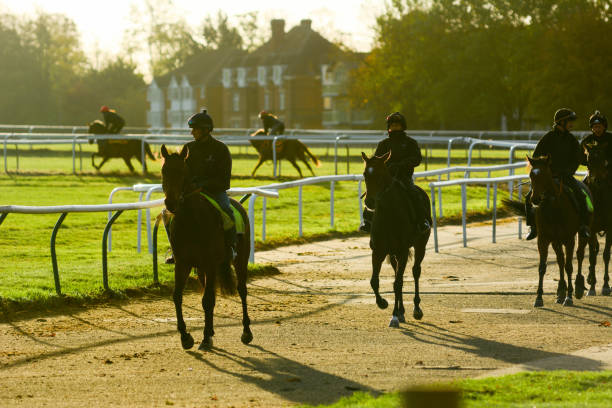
[[291, 150]]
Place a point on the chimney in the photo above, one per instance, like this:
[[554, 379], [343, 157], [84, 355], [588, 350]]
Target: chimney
[[306, 23], [278, 32]]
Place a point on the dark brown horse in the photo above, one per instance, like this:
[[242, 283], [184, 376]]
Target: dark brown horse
[[394, 233], [110, 148], [196, 237], [288, 149], [600, 184], [557, 221]]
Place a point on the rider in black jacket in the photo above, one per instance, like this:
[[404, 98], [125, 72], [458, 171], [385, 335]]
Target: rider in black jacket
[[272, 125], [599, 126], [405, 156], [566, 154], [210, 165], [113, 122]]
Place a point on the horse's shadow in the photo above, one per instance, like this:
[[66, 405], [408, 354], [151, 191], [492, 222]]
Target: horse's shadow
[[509, 353], [290, 379]]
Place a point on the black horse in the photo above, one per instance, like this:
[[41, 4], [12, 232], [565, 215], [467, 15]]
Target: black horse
[[110, 148], [196, 237], [600, 184], [394, 233]]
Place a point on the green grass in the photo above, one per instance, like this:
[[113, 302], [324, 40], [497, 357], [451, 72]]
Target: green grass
[[46, 178], [557, 389]]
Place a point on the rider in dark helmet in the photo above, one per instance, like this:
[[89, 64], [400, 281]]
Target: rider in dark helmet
[[599, 126], [566, 155], [272, 125], [405, 156], [113, 122], [210, 165]]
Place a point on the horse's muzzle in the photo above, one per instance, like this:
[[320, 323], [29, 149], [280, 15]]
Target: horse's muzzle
[[170, 205]]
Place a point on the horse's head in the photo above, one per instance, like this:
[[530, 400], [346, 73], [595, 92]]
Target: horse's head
[[376, 174], [541, 177], [174, 174], [597, 162]]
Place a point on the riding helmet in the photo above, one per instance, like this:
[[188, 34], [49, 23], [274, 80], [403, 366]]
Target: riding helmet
[[596, 118], [104, 108], [263, 114], [564, 114], [396, 118], [201, 120]]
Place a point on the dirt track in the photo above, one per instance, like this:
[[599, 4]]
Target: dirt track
[[318, 334]]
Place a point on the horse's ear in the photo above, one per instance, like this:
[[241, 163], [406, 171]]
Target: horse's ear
[[184, 152], [164, 152], [386, 156], [364, 157], [530, 160]]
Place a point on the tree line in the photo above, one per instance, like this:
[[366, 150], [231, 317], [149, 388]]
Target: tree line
[[488, 64]]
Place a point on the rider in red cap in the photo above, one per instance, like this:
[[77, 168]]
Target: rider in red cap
[[113, 122]]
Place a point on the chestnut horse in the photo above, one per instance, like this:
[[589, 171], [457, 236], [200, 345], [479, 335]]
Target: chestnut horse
[[600, 184], [288, 149], [394, 233], [197, 240]]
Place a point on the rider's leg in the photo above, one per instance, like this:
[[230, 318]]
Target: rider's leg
[[530, 217], [229, 234], [420, 208]]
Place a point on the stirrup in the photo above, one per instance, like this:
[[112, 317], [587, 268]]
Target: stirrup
[[365, 227], [584, 231], [425, 227], [169, 258]]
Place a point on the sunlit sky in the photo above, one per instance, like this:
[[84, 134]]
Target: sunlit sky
[[102, 22]]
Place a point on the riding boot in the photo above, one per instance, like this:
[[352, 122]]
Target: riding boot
[[366, 225], [530, 218], [421, 212]]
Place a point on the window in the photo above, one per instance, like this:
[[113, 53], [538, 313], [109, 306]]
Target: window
[[187, 93], [202, 92], [261, 76], [277, 75], [241, 77], [267, 100], [227, 77], [236, 102], [327, 103], [281, 100]]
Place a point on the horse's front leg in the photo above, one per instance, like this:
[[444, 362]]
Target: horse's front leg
[[605, 290], [208, 304], [562, 286], [582, 242], [419, 254], [593, 252], [569, 268], [181, 272], [377, 260], [399, 265], [543, 251], [128, 162]]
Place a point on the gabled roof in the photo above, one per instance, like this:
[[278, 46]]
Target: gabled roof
[[203, 68]]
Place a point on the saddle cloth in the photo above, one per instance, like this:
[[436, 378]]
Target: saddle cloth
[[227, 221], [585, 190]]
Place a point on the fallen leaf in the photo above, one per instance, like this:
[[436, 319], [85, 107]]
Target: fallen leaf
[[605, 323], [455, 321], [294, 379], [214, 398]]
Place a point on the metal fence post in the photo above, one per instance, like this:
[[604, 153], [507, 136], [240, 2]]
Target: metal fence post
[[104, 255], [463, 213], [433, 215], [252, 227], [331, 204], [494, 211], [520, 219], [56, 278], [359, 188], [274, 156], [264, 206], [138, 227], [300, 210]]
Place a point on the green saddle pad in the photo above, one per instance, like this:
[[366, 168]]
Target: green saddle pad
[[587, 197], [227, 221]]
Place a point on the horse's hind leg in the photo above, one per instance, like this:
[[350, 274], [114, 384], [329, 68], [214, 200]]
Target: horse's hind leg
[[582, 242], [543, 250], [307, 165], [377, 260], [569, 268], [258, 165], [294, 164], [208, 304], [98, 167], [593, 252], [129, 164], [605, 290], [241, 274], [419, 254], [181, 272]]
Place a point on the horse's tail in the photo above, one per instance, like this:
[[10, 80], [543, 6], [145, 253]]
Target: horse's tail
[[226, 280], [312, 156], [515, 206], [149, 152]]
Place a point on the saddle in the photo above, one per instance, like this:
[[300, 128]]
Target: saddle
[[225, 218], [588, 197]]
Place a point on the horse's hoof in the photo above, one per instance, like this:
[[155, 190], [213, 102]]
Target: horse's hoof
[[382, 303], [560, 300], [591, 292], [187, 341], [539, 302], [394, 322], [417, 313], [568, 302], [401, 317], [206, 344], [579, 287], [605, 291], [246, 337]]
